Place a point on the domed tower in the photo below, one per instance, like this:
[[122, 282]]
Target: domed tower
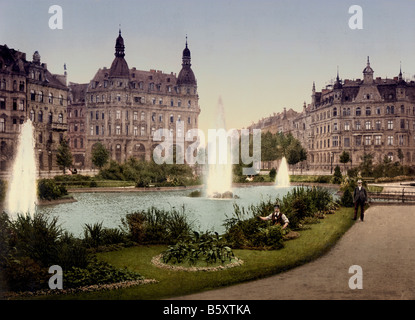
[[119, 67], [186, 78]]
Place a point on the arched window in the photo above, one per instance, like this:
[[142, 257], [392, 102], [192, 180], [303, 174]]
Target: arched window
[[358, 111], [32, 115], [40, 116], [50, 98], [60, 118], [334, 112]]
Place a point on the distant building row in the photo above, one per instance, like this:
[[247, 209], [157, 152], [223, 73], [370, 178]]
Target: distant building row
[[372, 115]]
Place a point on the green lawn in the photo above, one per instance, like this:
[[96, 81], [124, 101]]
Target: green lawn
[[311, 244]]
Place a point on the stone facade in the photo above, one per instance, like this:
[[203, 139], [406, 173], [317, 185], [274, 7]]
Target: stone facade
[[373, 116], [76, 123], [29, 91], [124, 107]]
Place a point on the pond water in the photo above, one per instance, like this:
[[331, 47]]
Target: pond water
[[110, 208]]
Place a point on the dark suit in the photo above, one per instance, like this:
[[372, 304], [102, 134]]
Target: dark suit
[[359, 199]]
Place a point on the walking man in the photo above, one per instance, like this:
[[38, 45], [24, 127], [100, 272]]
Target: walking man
[[359, 199]]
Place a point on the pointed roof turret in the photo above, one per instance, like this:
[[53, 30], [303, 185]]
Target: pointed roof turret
[[119, 67], [186, 75]]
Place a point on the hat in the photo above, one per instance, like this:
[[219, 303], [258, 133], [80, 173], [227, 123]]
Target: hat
[[276, 206], [359, 181]]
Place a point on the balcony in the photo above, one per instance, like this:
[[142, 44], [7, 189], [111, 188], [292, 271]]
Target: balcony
[[57, 126]]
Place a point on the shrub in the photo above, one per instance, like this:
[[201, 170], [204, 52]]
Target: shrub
[[24, 273], [48, 189], [199, 247], [95, 235], [246, 230], [97, 272], [157, 226], [347, 198], [37, 238], [272, 174]]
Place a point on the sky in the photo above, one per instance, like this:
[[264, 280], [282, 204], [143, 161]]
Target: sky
[[257, 56]]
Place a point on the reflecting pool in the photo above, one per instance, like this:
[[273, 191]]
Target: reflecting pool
[[110, 208]]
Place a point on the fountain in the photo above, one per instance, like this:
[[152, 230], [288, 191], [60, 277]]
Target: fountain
[[21, 197], [219, 175], [282, 179]]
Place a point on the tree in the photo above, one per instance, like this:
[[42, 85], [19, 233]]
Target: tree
[[100, 155], [344, 158], [337, 176], [400, 155], [64, 156]]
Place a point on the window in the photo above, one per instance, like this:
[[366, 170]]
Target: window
[[378, 125], [50, 117], [153, 117], [401, 140], [335, 126], [97, 130], [2, 103], [358, 140], [368, 125], [368, 111], [335, 141], [135, 130], [118, 97], [60, 118], [358, 111], [50, 98], [346, 126], [118, 130], [171, 118], [378, 110], [2, 125], [179, 103], [357, 125], [334, 112], [402, 124], [40, 96], [118, 114], [378, 140], [135, 115], [346, 142], [368, 140], [32, 115], [390, 140], [92, 130], [40, 116], [32, 95], [143, 116], [143, 131], [390, 124], [160, 101], [390, 156]]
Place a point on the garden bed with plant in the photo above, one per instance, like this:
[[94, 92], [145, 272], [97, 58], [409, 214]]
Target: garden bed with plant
[[153, 246]]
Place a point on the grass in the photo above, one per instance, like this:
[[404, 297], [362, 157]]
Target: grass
[[313, 243]]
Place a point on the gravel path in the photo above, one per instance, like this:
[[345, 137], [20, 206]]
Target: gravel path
[[383, 246]]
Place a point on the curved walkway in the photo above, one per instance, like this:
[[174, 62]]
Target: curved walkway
[[383, 246]]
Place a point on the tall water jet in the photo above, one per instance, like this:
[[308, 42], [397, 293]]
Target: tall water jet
[[219, 175], [21, 195], [282, 179]]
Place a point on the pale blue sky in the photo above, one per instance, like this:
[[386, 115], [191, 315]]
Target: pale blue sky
[[258, 55]]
